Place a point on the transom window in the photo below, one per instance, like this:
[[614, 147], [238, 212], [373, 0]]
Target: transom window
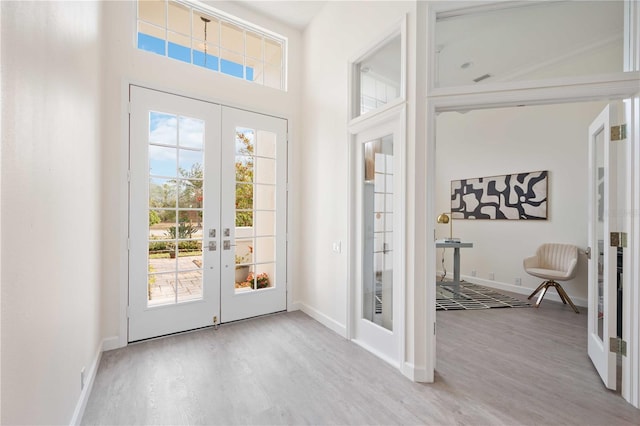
[[197, 34]]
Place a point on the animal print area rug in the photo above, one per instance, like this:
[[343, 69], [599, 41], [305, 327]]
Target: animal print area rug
[[451, 297]]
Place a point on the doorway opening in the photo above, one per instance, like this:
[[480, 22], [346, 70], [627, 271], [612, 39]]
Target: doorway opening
[[500, 141]]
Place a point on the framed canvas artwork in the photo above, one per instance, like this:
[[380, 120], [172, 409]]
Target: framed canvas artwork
[[515, 196]]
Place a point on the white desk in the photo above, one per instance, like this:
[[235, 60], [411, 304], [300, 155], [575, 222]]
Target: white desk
[[456, 257]]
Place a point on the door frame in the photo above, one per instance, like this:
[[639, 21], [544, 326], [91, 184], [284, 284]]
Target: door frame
[[551, 91], [392, 120], [123, 196]]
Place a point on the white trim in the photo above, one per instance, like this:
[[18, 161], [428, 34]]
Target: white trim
[[415, 374], [431, 253], [110, 343], [323, 319], [381, 355], [76, 419], [123, 241], [543, 92], [631, 273], [399, 27]]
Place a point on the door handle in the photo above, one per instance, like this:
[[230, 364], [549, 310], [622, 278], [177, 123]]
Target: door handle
[[226, 245], [213, 246]]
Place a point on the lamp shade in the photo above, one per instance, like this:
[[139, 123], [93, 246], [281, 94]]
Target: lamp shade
[[443, 218]]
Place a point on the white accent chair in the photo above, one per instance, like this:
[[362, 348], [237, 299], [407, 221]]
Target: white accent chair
[[553, 262]]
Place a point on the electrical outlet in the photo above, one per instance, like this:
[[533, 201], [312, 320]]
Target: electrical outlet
[[518, 281], [82, 378], [474, 273], [492, 276]]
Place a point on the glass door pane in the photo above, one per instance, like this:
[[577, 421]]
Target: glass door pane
[[600, 232], [255, 201], [378, 193], [176, 177]]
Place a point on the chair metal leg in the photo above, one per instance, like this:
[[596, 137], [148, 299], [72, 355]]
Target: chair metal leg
[[542, 292], [566, 296], [560, 293], [537, 289]]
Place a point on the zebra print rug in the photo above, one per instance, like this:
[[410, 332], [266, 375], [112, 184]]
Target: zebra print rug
[[472, 296]]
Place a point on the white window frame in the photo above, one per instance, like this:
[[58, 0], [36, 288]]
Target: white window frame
[[221, 16], [398, 28]]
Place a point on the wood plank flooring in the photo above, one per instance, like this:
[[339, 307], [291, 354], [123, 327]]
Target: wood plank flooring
[[522, 366]]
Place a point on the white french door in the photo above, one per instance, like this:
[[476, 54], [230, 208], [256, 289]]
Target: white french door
[[207, 214], [377, 321], [603, 205], [254, 252]]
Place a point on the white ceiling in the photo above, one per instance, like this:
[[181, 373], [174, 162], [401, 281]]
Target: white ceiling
[[295, 13], [529, 40]]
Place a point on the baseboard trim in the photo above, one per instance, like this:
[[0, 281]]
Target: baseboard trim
[[323, 319], [88, 385], [295, 306], [110, 343], [379, 354], [552, 295], [414, 374]]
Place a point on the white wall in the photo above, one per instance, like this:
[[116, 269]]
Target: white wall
[[511, 140], [124, 64], [51, 212], [338, 33]]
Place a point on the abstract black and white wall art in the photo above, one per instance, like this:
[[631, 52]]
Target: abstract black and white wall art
[[515, 196]]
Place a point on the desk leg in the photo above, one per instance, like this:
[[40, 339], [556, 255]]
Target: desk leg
[[456, 265]]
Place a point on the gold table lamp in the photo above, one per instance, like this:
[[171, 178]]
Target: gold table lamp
[[444, 218]]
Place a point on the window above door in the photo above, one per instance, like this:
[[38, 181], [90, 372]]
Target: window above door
[[195, 33]]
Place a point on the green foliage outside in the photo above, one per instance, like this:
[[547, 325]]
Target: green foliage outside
[[154, 218], [244, 181]]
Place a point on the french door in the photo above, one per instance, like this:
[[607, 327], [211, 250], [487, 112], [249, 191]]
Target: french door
[[603, 205], [378, 309], [207, 223]]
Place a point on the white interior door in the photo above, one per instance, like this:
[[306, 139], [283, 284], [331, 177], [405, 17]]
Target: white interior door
[[603, 259], [174, 198], [254, 203], [207, 217], [378, 297]]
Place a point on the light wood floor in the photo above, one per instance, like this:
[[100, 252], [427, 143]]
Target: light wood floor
[[520, 366]]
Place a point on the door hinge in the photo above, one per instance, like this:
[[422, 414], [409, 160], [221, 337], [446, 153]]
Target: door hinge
[[618, 239], [618, 133], [618, 346]]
